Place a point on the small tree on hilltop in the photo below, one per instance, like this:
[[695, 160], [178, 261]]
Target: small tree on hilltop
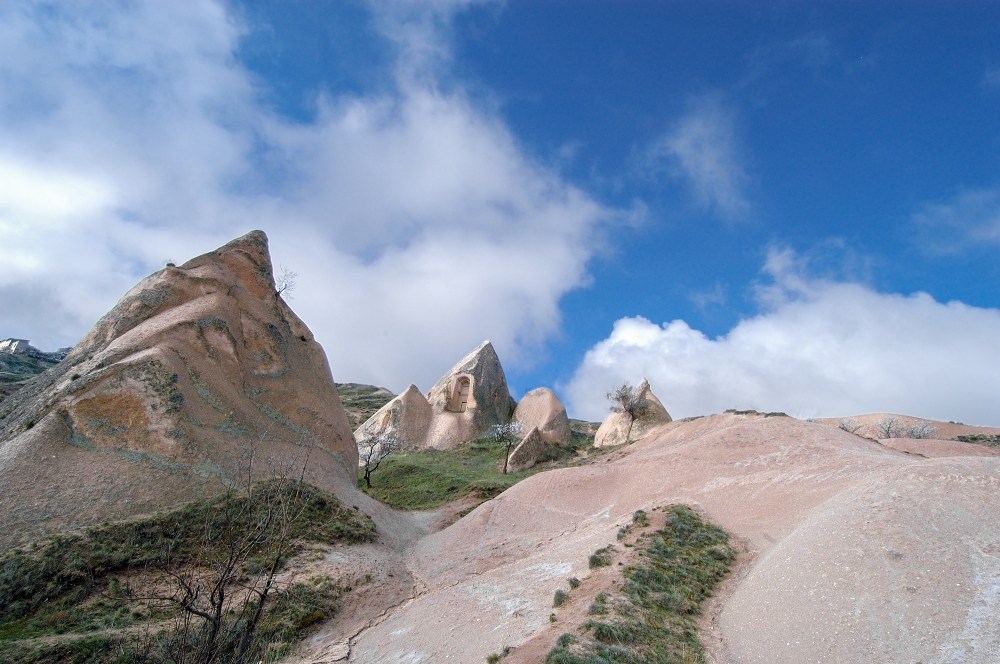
[[921, 429], [374, 450], [510, 434], [851, 425], [889, 427], [626, 399]]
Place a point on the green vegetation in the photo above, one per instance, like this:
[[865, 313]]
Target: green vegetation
[[164, 575], [362, 401], [559, 599], [653, 618], [981, 439], [426, 479], [601, 557]]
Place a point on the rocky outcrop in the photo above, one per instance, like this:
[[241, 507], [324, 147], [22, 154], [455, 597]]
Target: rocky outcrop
[[195, 372], [527, 452], [653, 415], [614, 430], [620, 427], [469, 400], [541, 408], [407, 417]]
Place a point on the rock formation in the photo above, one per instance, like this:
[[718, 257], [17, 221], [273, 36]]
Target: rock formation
[[407, 417], [527, 452], [620, 427], [541, 408], [614, 430], [469, 400], [197, 369]]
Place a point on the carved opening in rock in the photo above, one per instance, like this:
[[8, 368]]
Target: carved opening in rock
[[460, 394]]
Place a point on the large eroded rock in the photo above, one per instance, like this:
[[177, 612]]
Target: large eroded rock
[[541, 408], [195, 371], [620, 427], [407, 417], [469, 400], [527, 452]]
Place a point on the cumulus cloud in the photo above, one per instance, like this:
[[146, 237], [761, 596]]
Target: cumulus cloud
[[702, 150], [130, 133], [971, 218], [820, 349]]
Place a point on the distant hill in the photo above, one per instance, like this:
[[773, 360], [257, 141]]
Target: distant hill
[[362, 401], [17, 368]]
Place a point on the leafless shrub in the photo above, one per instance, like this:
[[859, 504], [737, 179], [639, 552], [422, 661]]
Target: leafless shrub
[[889, 427], [374, 449], [626, 399], [851, 425], [222, 595], [921, 429], [510, 434], [285, 283]]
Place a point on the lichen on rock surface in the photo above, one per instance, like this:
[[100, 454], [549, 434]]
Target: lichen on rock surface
[[195, 370]]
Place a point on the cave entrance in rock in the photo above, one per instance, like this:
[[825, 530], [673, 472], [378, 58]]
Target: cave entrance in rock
[[460, 396]]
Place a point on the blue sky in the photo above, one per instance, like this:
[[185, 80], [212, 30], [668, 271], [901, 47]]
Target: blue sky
[[783, 206]]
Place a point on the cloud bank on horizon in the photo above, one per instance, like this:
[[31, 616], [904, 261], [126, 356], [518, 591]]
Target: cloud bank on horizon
[[820, 349], [418, 220]]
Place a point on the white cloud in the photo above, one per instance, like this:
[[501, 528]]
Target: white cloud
[[417, 225], [702, 149], [971, 218], [821, 348]]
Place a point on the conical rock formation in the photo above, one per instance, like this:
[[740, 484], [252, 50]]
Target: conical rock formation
[[469, 400], [620, 427], [407, 417], [197, 370]]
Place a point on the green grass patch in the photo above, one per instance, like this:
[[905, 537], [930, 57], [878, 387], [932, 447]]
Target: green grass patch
[[601, 557], [426, 479], [981, 439], [79, 582], [653, 619]]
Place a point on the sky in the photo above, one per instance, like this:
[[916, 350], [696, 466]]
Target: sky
[[775, 205]]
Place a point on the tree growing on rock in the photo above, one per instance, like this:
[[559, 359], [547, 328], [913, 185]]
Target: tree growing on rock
[[627, 399], [372, 451], [510, 434], [286, 283]]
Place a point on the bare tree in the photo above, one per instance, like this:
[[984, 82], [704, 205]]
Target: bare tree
[[510, 434], [921, 429], [374, 450], [626, 399], [285, 283], [851, 425], [222, 574], [889, 427]]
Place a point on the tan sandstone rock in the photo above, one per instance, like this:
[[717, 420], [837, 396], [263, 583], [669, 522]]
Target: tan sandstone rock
[[614, 430], [527, 452], [469, 400], [653, 415], [195, 370], [407, 417], [620, 428], [541, 408]]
